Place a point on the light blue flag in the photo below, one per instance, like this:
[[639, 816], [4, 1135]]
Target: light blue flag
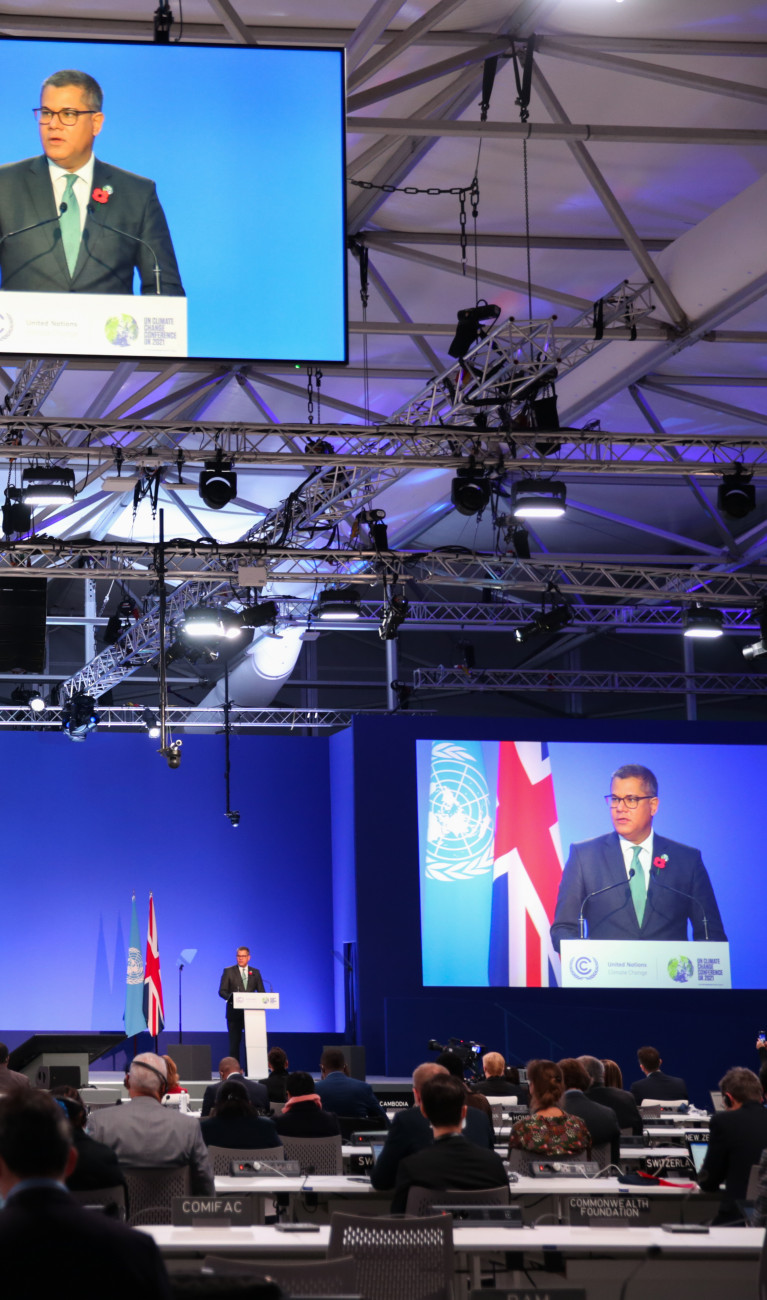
[[135, 1020]]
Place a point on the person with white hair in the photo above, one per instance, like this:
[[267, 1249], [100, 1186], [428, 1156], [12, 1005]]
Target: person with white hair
[[150, 1135]]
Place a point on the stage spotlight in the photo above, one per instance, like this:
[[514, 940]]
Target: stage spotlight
[[47, 485], [703, 623], [207, 623], [234, 818], [259, 615], [758, 648], [28, 696], [172, 754], [520, 540], [17, 518], [470, 490], [538, 498], [736, 495], [149, 719], [218, 484], [79, 716], [548, 621], [393, 617], [377, 530], [118, 622], [469, 328], [337, 604]]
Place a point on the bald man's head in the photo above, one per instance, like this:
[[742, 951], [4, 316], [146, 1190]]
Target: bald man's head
[[424, 1072]]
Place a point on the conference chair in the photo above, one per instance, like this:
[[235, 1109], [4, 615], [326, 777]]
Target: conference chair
[[151, 1192], [314, 1277], [421, 1200], [600, 1152], [397, 1258], [109, 1199], [222, 1157], [315, 1155]]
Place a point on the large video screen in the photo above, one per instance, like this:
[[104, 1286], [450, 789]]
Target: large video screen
[[520, 854], [222, 167]]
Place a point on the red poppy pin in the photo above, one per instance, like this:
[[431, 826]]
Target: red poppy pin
[[660, 862], [100, 196]]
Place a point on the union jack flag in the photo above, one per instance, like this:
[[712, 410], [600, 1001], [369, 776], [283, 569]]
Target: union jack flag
[[153, 1007], [527, 870]]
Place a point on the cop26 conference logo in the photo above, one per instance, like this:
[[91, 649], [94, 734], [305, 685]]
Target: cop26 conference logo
[[460, 825]]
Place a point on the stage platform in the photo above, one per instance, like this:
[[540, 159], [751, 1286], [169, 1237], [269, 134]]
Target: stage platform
[[105, 1086]]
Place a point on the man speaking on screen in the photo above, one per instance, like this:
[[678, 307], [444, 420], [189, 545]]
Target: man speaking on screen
[[633, 883], [70, 223]]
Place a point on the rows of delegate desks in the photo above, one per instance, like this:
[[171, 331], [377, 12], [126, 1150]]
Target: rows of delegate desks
[[597, 1233]]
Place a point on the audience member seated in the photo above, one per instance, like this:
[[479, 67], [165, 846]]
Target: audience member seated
[[10, 1078], [236, 1123], [454, 1065], [97, 1165], [495, 1083], [451, 1160], [737, 1138], [302, 1115], [618, 1099], [148, 1134], [511, 1075], [48, 1242], [174, 1086], [411, 1131], [279, 1068], [613, 1074], [550, 1130], [656, 1085], [230, 1068], [343, 1095], [601, 1121]]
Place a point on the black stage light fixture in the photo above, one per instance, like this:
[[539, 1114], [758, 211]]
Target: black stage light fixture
[[79, 716], [549, 620], [47, 485], [207, 623], [163, 21], [172, 754], [149, 719], [702, 623], [337, 604], [218, 483], [470, 490], [469, 327], [758, 648], [520, 540], [17, 518], [29, 697], [393, 617], [736, 495], [259, 615], [538, 498]]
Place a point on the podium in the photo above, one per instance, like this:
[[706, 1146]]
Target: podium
[[255, 1006], [644, 964]]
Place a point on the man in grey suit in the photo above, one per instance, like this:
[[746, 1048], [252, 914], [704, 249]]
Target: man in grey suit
[[150, 1135], [242, 978], [91, 224]]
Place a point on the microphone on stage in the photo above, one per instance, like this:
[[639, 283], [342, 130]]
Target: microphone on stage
[[127, 235], [603, 890], [682, 894], [23, 230]]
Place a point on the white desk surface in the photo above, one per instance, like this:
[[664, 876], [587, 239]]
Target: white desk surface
[[743, 1242], [342, 1184], [322, 1184], [594, 1187]]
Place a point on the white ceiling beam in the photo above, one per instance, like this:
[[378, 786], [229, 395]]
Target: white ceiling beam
[[271, 381], [668, 45], [572, 243], [370, 30], [571, 132], [402, 41], [395, 306], [233, 24], [710, 403], [430, 72]]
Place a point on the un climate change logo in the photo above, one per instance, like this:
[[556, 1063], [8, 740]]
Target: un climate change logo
[[583, 968], [460, 828], [680, 969], [121, 331]]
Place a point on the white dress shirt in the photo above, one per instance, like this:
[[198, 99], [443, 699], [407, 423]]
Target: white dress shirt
[[645, 855]]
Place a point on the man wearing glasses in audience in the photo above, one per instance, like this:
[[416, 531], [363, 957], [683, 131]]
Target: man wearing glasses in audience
[[633, 883], [70, 223]]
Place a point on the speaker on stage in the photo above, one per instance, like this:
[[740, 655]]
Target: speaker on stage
[[22, 624]]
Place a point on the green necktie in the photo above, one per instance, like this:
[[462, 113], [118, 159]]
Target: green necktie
[[638, 886], [69, 222], [244, 974]]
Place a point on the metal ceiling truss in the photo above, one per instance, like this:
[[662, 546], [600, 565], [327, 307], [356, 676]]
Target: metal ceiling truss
[[585, 681], [129, 718]]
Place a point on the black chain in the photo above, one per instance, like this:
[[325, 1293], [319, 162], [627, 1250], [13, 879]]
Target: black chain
[[461, 191], [318, 381], [309, 396]]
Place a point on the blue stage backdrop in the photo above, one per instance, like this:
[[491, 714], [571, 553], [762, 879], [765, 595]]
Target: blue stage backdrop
[[86, 824]]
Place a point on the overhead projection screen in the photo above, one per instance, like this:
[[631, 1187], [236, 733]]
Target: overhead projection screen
[[245, 146]]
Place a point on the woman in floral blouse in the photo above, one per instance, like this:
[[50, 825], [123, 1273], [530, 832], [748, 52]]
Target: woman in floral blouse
[[549, 1130]]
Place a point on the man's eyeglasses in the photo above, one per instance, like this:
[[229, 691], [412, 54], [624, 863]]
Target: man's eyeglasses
[[66, 116], [628, 800]]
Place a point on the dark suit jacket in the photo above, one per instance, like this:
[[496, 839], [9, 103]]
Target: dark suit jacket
[[345, 1096], [12, 1079], [736, 1140], [666, 1087], [240, 1132], [46, 1236], [601, 1121], [259, 1097], [35, 261], [498, 1087], [275, 1083], [231, 982], [449, 1162], [411, 1132], [594, 864], [96, 1166], [621, 1102], [306, 1119]]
